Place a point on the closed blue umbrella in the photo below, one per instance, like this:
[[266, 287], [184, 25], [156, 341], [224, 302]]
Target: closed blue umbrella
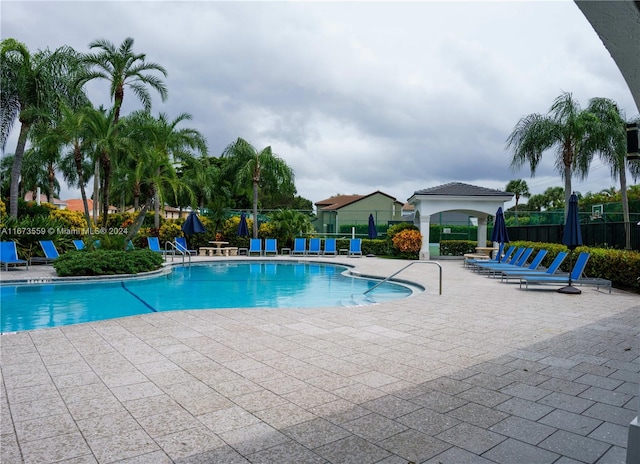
[[193, 225], [373, 233], [571, 237], [499, 233], [243, 228]]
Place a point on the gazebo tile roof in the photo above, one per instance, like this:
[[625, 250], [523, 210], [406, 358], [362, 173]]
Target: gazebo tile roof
[[460, 189]]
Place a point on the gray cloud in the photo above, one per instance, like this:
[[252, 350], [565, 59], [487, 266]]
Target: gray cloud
[[356, 97]]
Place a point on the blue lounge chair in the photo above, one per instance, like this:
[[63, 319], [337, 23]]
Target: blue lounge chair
[[507, 274], [355, 247], [480, 266], [499, 259], [270, 246], [181, 246], [330, 247], [255, 246], [518, 261], [50, 253], [299, 246], [537, 260], [575, 277], [79, 244], [9, 255], [154, 245], [314, 247]]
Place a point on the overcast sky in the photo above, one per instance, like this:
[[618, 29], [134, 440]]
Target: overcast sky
[[355, 97]]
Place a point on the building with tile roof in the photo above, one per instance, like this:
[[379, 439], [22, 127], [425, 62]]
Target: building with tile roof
[[33, 196], [479, 202], [352, 210]]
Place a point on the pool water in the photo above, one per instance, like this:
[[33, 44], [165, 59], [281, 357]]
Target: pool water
[[210, 286]]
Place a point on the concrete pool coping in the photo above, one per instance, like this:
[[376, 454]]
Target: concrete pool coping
[[485, 372]]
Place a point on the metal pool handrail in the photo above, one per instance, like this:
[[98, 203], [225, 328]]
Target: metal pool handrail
[[410, 264], [185, 252]]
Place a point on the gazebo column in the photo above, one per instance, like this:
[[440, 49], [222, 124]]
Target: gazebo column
[[482, 231], [425, 223]]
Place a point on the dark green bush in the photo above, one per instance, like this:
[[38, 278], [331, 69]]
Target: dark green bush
[[106, 262]]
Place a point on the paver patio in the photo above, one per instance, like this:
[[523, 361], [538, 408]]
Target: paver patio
[[483, 373]]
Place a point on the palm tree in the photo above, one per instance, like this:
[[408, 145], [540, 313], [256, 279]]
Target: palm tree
[[39, 170], [71, 132], [121, 67], [257, 169], [31, 84], [567, 128], [610, 142], [177, 145], [107, 139], [555, 198], [519, 188], [156, 175], [289, 223]]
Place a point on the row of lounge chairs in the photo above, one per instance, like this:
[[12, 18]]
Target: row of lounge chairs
[[513, 266], [315, 247]]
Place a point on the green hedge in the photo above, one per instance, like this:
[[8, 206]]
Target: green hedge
[[106, 262]]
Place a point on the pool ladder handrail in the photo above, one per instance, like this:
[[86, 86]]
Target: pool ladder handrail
[[184, 252], [408, 265]]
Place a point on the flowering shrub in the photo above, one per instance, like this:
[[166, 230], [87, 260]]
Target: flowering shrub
[[169, 231], [74, 220], [3, 209], [408, 242], [230, 232], [267, 230]]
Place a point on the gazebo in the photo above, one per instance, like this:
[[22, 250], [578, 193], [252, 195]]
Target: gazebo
[[480, 202]]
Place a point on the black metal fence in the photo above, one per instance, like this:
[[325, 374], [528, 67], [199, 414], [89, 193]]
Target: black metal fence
[[608, 234]]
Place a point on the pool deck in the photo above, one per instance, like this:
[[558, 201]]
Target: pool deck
[[483, 373]]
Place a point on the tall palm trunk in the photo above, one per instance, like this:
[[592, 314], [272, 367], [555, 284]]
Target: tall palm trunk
[[156, 209], [255, 208], [51, 177], [625, 206], [567, 160], [77, 156], [16, 169], [137, 222], [106, 170], [136, 196], [96, 190]]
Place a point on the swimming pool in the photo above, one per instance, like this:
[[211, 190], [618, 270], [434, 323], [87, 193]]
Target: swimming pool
[[236, 284]]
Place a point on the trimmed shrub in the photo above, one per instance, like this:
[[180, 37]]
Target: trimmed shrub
[[106, 262], [374, 246]]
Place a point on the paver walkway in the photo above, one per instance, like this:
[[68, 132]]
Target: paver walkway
[[483, 373]]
